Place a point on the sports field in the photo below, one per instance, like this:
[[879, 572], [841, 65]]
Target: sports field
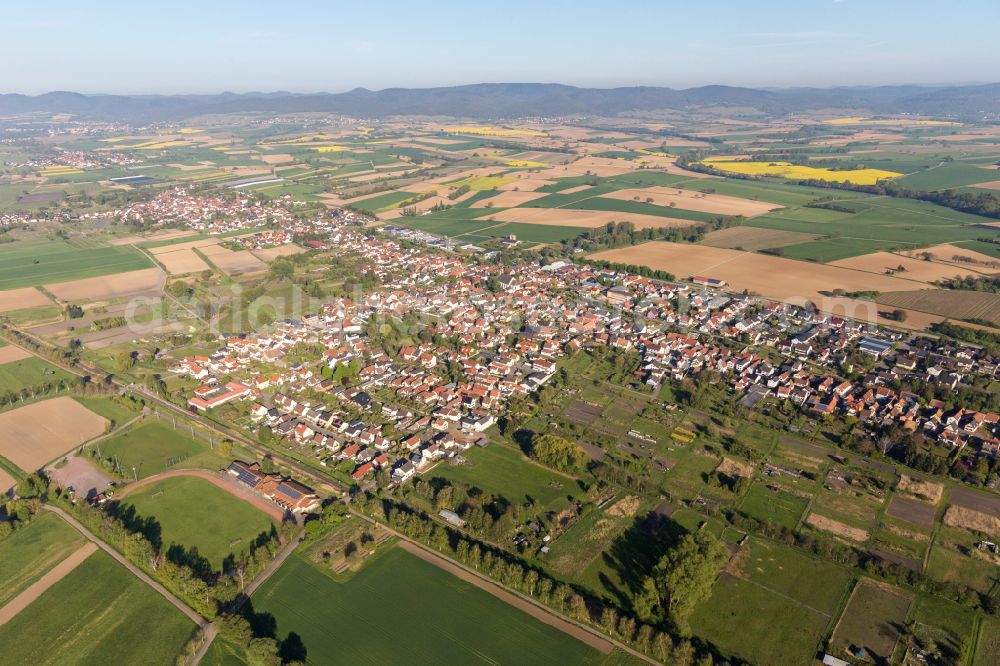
[[119, 621], [154, 446], [193, 512], [429, 615], [33, 264]]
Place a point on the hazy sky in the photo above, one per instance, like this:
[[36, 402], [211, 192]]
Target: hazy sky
[[180, 46]]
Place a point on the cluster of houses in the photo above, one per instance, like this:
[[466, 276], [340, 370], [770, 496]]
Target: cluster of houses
[[488, 333], [209, 213]]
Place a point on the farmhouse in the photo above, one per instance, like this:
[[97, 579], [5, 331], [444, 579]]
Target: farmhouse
[[708, 281], [209, 397], [286, 492]]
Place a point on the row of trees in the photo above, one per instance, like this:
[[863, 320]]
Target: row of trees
[[508, 570], [183, 571]]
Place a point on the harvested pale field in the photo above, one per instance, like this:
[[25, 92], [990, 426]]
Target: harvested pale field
[[508, 199], [568, 217], [772, 277], [133, 239], [424, 205], [525, 184], [731, 467], [624, 508], [10, 353], [6, 483], [959, 304], [20, 299], [190, 245], [681, 171], [616, 168], [437, 141], [836, 527], [969, 519], [960, 256], [189, 167], [440, 182], [134, 283], [916, 269], [181, 262], [279, 158], [574, 190], [989, 185], [42, 431], [272, 253], [929, 491], [233, 263], [754, 238], [693, 200]]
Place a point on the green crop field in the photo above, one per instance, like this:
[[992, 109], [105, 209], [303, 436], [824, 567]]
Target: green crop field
[[834, 249], [769, 629], [429, 617], [193, 512], [779, 193], [33, 264], [31, 551], [383, 201], [878, 223], [945, 176], [502, 470], [154, 446], [99, 613], [29, 372], [629, 206]]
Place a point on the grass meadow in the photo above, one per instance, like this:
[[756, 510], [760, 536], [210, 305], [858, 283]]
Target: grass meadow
[[503, 470], [28, 372]]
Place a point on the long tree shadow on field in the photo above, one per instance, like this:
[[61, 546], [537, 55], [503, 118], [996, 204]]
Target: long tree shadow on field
[[635, 553], [264, 625]]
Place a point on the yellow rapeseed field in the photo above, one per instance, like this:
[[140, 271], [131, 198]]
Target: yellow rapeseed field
[[798, 172], [491, 131], [189, 130], [524, 163], [329, 149], [656, 153], [59, 170]]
